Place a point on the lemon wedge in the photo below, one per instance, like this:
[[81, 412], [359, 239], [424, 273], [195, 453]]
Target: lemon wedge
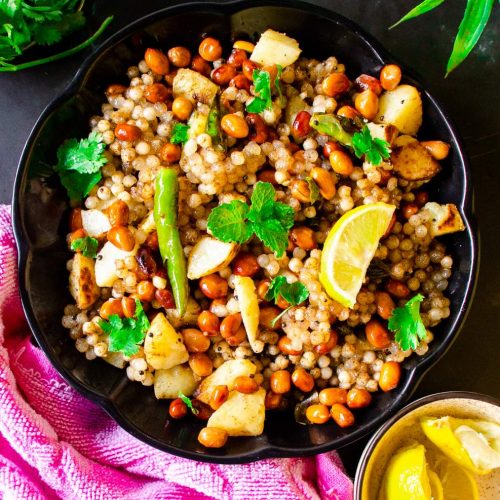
[[436, 485], [349, 249], [473, 444], [457, 483], [407, 476]]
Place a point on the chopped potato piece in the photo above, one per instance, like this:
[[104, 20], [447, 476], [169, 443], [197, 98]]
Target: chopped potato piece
[[82, 282], [387, 133], [95, 223], [148, 224], [414, 163], [208, 256], [242, 414], [244, 288], [226, 374], [275, 48], [445, 218], [190, 317], [401, 107], [168, 383], [194, 86], [163, 346], [403, 140], [105, 267]]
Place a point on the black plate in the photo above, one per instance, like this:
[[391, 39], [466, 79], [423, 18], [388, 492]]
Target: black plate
[[40, 228]]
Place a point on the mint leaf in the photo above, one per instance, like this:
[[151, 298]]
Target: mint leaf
[[263, 192], [227, 222], [407, 324], [86, 245], [188, 403], [179, 133], [284, 214], [272, 234], [375, 150], [125, 334]]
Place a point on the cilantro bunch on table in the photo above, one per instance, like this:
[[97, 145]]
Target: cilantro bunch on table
[[407, 324], [24, 23], [294, 293], [79, 164], [126, 334], [268, 219], [262, 84], [375, 150]]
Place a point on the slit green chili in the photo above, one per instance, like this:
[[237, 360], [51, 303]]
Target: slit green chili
[[169, 240]]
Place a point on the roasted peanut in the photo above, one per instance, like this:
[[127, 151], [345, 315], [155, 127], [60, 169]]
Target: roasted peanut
[[358, 398], [245, 384], [210, 49], [245, 264], [170, 153], [325, 182], [212, 437], [201, 364], [333, 395], [234, 125], [390, 76], [366, 103], [343, 416], [177, 408], [302, 380], [179, 56], [365, 82], [335, 84], [122, 238], [157, 61], [390, 375], [194, 340], [156, 92], [223, 74], [303, 237], [182, 108], [317, 414], [128, 133], [377, 334], [280, 382], [118, 213], [209, 323], [213, 286]]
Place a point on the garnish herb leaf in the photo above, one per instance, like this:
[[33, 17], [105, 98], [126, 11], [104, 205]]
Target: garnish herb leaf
[[420, 9], [293, 293], [314, 190], [227, 222], [375, 150], [79, 164], [262, 100], [179, 133], [188, 403], [86, 156], [86, 245], [27, 22], [268, 219], [473, 23], [407, 324], [126, 334]]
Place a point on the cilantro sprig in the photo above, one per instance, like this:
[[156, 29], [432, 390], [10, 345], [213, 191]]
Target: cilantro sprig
[[294, 293], [268, 219], [179, 133], [24, 23], [86, 245], [126, 334], [407, 324], [262, 84], [187, 401], [79, 164], [375, 150]]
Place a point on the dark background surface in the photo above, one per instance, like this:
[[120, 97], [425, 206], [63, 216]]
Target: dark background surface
[[470, 95]]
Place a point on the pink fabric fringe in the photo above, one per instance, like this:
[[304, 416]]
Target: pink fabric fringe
[[56, 444]]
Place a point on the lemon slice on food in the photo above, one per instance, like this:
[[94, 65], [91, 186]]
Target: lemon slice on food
[[349, 249], [436, 485], [457, 483]]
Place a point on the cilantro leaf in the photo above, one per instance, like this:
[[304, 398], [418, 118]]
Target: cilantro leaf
[[188, 403], [375, 150], [52, 32], [274, 288], [407, 324], [262, 84], [293, 293], [86, 245], [78, 185], [125, 334], [86, 156], [179, 133], [227, 222]]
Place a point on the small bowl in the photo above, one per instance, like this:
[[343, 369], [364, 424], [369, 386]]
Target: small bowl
[[404, 427], [40, 222]]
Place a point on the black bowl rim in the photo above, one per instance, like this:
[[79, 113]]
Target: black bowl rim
[[266, 450], [430, 398]]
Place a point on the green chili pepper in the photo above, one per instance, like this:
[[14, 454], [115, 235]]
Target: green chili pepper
[[169, 240], [330, 125]]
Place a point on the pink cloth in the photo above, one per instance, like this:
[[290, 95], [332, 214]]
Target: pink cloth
[[56, 444]]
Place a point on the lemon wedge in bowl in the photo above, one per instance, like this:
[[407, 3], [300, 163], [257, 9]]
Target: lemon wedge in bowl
[[456, 482], [473, 444], [349, 249], [407, 476]]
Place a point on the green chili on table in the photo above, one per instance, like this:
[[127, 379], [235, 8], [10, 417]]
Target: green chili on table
[[169, 240]]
